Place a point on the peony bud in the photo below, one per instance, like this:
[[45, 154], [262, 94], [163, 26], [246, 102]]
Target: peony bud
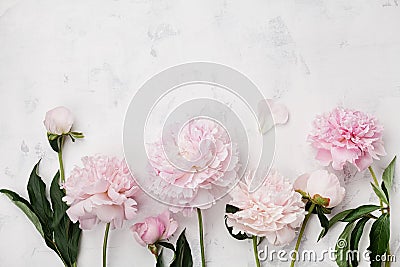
[[154, 229], [322, 187], [58, 121]]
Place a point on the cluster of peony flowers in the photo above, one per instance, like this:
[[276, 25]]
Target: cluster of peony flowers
[[346, 135], [196, 185], [274, 211], [102, 190]]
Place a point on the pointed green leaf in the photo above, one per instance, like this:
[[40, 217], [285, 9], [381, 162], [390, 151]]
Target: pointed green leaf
[[54, 141], [379, 237], [77, 134], [384, 189], [66, 234], [238, 236], [37, 197], [183, 253], [74, 235], [160, 261], [168, 246], [26, 208], [388, 174], [359, 212], [379, 192], [343, 246], [355, 238], [231, 209], [56, 195], [333, 221], [41, 206], [322, 218]]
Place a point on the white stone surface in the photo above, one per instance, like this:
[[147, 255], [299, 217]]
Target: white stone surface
[[92, 56]]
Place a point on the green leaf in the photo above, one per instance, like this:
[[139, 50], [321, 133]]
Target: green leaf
[[322, 218], [160, 261], [74, 235], [77, 134], [379, 192], [37, 196], [355, 238], [26, 208], [60, 223], [56, 195], [168, 246], [384, 189], [231, 209], [66, 234], [379, 237], [54, 141], [342, 246], [183, 253], [238, 236], [359, 212], [388, 174], [333, 221], [41, 206], [51, 136]]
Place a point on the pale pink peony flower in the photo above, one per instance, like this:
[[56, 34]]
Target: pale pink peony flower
[[102, 191], [323, 184], [274, 211], [154, 229], [346, 135], [58, 120], [211, 166]]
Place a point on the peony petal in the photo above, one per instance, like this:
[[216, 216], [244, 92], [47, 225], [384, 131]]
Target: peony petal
[[324, 157], [270, 114]]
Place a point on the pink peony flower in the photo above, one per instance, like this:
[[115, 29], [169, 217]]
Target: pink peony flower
[[154, 229], [321, 184], [58, 120], [211, 166], [274, 211], [346, 135], [103, 190]]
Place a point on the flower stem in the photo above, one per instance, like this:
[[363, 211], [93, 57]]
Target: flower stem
[[255, 250], [387, 263], [105, 244], [74, 264], [303, 227], [200, 219], [60, 158], [377, 184]]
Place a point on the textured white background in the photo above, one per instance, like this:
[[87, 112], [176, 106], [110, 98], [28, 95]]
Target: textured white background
[[91, 56]]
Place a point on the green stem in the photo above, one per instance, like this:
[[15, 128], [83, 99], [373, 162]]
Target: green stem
[[303, 227], [255, 250], [74, 264], [200, 219], [377, 185], [60, 158], [387, 263], [105, 244]]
